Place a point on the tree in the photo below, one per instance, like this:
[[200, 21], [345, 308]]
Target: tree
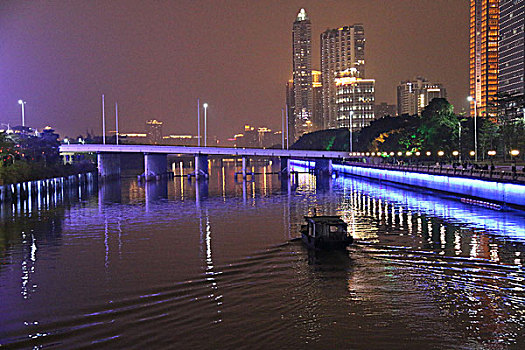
[[384, 134], [439, 126]]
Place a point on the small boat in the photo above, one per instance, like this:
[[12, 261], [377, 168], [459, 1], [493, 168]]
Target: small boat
[[325, 232]]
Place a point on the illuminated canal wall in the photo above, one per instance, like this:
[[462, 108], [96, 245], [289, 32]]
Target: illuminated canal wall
[[501, 192]]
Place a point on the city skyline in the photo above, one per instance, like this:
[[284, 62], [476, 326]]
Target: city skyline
[[60, 58]]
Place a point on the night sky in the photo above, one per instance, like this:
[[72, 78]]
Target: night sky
[[156, 57]]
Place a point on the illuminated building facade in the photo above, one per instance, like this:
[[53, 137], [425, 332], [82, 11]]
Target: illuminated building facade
[[511, 47], [180, 140], [355, 100], [414, 96], [317, 113], [484, 32], [290, 107], [341, 49], [302, 73], [384, 109], [154, 131], [261, 137]]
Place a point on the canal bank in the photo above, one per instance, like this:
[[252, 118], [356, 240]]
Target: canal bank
[[429, 271], [29, 190], [500, 191]]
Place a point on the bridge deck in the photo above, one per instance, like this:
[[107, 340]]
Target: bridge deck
[[255, 152]]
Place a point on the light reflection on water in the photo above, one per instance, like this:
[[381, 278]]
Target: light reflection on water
[[179, 264]]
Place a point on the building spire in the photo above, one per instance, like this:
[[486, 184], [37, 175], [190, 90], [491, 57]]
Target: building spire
[[301, 16]]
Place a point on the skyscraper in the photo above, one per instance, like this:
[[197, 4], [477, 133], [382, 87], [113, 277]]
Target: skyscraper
[[290, 107], [383, 109], [484, 24], [317, 112], [512, 47], [154, 131], [342, 49], [302, 72], [413, 96], [355, 100]]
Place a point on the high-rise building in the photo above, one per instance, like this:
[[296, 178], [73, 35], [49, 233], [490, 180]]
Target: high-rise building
[[290, 107], [355, 100], [484, 25], [302, 72], [341, 49], [414, 96], [154, 131], [383, 109], [317, 112], [511, 47]]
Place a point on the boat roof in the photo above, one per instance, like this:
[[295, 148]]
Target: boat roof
[[326, 219]]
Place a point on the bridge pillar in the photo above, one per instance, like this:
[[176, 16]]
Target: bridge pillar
[[155, 165], [323, 166], [201, 166], [108, 165], [285, 166], [244, 168]]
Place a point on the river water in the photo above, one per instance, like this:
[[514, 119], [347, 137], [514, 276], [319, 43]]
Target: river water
[[172, 264]]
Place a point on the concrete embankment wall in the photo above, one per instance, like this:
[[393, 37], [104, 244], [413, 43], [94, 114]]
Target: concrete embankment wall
[[502, 192], [33, 189]]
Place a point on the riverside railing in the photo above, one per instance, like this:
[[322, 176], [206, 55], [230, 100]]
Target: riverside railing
[[29, 190], [472, 173]]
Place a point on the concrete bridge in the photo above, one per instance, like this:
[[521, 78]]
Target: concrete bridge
[[155, 157]]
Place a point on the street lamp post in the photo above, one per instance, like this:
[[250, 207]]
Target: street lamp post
[[282, 128], [350, 129], [205, 105], [103, 121], [116, 123], [22, 103], [472, 99], [198, 122], [459, 123]]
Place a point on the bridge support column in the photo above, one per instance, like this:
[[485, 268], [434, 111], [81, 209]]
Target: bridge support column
[[201, 166], [323, 166], [285, 166], [108, 165], [244, 168], [155, 165]]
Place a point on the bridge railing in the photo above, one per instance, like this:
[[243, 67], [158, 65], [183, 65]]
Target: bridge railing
[[493, 175]]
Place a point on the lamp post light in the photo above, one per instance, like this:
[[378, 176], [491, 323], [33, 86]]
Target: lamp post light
[[22, 103], [116, 123], [459, 134], [205, 105], [282, 128], [350, 122], [198, 122], [472, 99], [103, 121], [514, 153]]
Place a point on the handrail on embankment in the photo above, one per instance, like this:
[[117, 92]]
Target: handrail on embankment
[[472, 173], [497, 186], [30, 189]]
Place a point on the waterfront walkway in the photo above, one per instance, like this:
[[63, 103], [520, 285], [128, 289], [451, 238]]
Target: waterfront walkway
[[499, 174]]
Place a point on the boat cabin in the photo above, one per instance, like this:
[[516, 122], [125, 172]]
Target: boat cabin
[[329, 227]]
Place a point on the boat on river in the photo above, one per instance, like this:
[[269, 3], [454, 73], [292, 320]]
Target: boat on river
[[325, 232]]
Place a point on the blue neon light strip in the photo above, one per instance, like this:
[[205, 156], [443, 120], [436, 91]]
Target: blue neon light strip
[[509, 223], [495, 191]]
